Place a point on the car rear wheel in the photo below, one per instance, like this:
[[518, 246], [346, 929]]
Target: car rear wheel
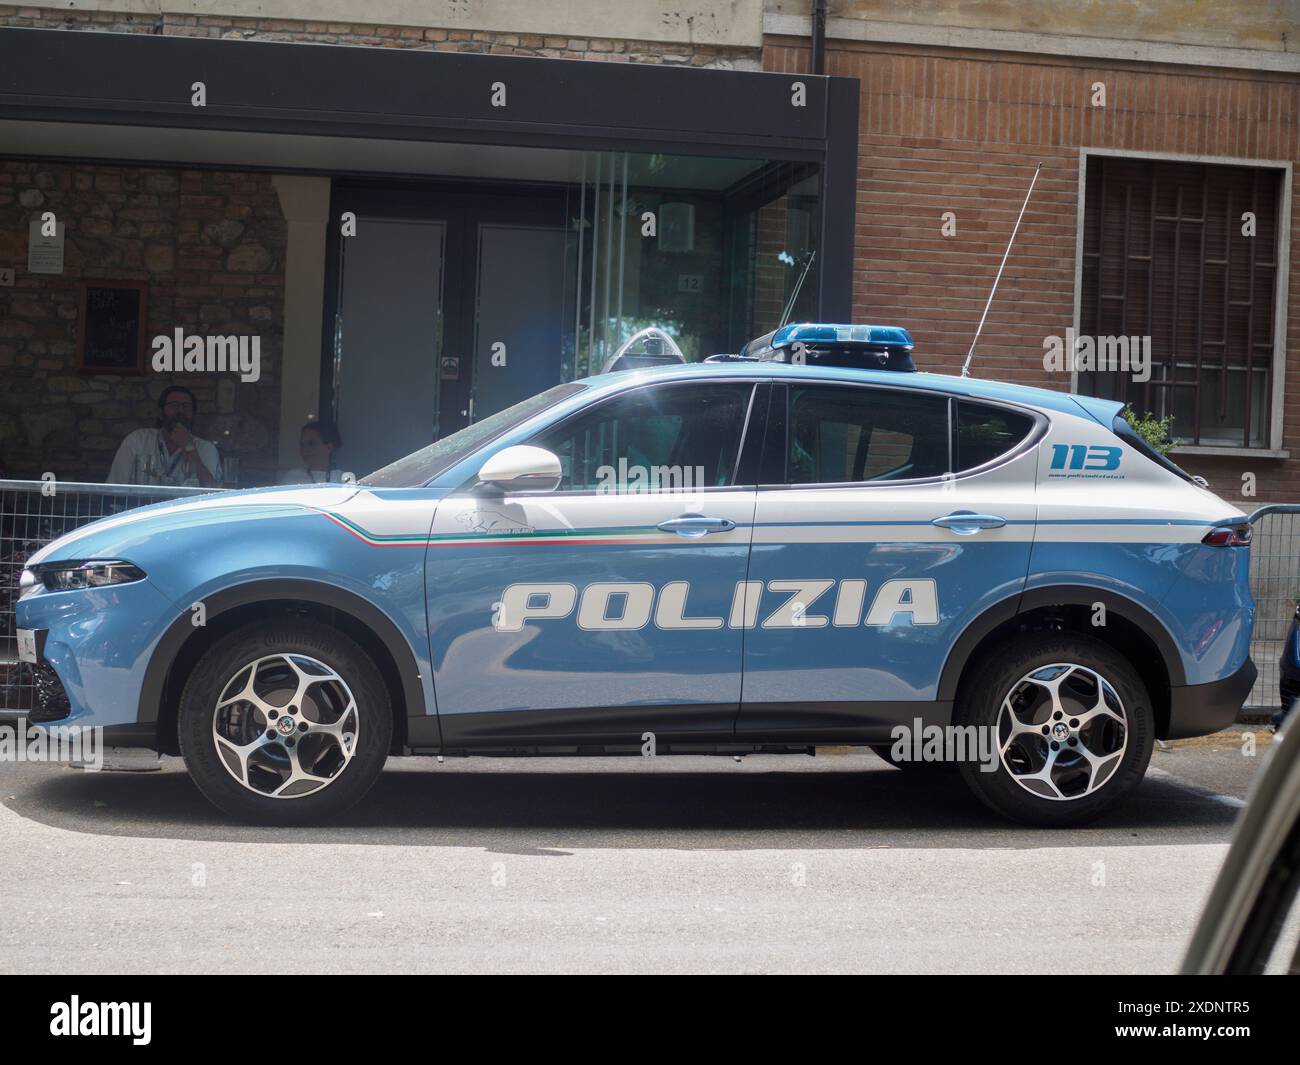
[[1071, 722], [285, 723]]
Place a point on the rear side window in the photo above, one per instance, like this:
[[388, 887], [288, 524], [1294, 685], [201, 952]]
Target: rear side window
[[1129, 435], [848, 433], [985, 433]]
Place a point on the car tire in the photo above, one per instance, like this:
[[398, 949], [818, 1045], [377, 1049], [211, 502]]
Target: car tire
[[300, 701], [1062, 786]]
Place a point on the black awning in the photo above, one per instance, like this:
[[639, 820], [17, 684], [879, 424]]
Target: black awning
[[64, 75]]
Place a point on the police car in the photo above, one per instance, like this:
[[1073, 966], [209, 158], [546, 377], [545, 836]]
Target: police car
[[810, 544]]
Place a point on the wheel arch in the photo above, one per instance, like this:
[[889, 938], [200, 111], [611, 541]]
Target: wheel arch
[[1129, 625], [183, 643]]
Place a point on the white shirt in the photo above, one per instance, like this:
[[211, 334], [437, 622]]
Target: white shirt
[[143, 458]]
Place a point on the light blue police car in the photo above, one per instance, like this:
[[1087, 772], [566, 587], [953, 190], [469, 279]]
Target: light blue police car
[[768, 553]]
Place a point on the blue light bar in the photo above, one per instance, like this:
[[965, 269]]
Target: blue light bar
[[876, 336]]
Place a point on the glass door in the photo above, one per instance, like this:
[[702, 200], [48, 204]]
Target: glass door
[[388, 339], [519, 347]]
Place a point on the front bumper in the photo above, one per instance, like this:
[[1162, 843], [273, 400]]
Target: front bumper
[[93, 647], [1200, 709], [49, 697]]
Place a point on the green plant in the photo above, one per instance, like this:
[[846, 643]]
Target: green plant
[[1158, 432]]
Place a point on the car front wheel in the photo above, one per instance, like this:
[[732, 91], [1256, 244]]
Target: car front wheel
[[1071, 723], [285, 723]]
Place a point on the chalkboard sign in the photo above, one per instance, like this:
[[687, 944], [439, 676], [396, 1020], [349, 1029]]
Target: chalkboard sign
[[110, 335]]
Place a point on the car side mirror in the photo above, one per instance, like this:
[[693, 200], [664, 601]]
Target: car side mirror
[[520, 469]]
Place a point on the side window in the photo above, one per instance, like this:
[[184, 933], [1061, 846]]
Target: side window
[[671, 436], [983, 433], [848, 433]]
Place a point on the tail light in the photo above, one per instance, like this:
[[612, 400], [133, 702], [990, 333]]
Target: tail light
[[1228, 536]]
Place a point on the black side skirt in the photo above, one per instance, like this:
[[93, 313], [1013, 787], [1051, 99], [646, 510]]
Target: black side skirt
[[679, 729]]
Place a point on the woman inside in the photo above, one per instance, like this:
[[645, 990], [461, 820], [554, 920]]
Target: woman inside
[[316, 444]]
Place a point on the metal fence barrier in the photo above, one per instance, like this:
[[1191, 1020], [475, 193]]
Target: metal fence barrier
[[32, 514], [1275, 584]]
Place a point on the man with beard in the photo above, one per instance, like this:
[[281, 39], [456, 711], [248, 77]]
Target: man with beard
[[169, 453]]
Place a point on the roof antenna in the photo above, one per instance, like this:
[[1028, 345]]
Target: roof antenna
[[965, 367], [789, 304]]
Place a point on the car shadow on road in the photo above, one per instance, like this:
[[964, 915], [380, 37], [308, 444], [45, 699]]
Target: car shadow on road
[[546, 810]]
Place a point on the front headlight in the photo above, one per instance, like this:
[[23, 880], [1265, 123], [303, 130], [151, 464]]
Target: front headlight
[[70, 576]]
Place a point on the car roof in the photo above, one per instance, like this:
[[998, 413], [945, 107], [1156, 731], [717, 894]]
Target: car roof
[[1100, 410]]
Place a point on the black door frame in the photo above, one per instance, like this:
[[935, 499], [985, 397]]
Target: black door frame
[[464, 206]]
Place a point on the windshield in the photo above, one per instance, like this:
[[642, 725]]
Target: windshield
[[421, 466]]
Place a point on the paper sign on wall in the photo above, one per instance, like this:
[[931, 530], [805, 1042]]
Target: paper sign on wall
[[45, 254]]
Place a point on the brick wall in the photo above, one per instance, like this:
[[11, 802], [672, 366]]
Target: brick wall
[[360, 33], [211, 246], [951, 130], [769, 272]]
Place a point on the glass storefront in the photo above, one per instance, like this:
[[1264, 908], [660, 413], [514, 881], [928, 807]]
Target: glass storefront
[[458, 297], [711, 251]]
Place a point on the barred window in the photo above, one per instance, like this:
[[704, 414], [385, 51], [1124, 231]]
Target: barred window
[[1165, 257]]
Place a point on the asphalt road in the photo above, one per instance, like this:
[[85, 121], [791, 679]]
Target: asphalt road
[[773, 864]]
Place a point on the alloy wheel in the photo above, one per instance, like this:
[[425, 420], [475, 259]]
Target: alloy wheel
[[286, 725], [1062, 731]]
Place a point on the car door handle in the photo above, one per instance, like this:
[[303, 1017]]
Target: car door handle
[[696, 525], [965, 523]]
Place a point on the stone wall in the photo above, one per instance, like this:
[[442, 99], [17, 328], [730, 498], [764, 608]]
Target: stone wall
[[682, 53], [1225, 25], [211, 246]]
